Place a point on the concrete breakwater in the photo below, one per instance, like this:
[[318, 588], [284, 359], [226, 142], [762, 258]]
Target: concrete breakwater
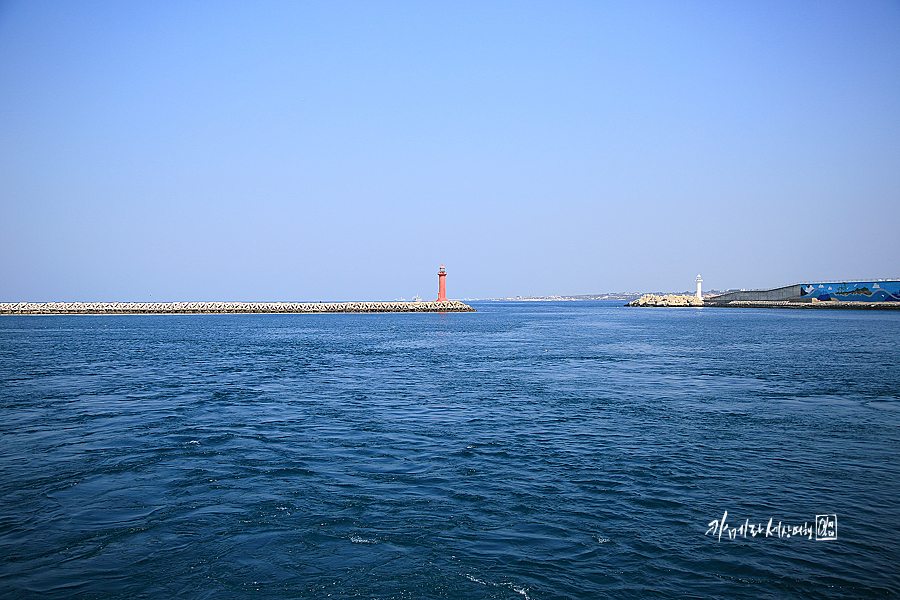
[[181, 308], [831, 305], [677, 300]]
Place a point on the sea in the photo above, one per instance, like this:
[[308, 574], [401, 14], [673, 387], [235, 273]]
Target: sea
[[529, 450]]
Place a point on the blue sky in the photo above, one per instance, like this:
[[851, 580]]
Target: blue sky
[[345, 150]]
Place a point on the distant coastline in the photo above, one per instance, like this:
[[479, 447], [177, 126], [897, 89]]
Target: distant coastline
[[609, 296], [617, 296]]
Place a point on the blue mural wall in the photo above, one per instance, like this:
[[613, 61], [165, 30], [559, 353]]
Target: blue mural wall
[[854, 291]]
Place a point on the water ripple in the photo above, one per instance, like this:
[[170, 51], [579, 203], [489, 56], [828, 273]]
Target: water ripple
[[560, 450]]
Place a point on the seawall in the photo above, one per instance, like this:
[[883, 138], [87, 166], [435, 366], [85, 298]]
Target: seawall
[[181, 308], [862, 291], [831, 305], [773, 295]]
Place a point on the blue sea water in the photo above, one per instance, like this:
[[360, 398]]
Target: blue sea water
[[528, 450]]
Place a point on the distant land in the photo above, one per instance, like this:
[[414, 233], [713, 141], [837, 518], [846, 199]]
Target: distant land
[[615, 296]]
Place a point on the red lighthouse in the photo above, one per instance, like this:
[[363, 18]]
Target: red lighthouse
[[442, 285]]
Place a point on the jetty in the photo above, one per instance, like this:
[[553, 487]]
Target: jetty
[[204, 308]]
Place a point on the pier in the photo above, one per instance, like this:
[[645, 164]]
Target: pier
[[203, 308]]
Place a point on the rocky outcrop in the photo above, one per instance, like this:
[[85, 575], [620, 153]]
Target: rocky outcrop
[[667, 300], [139, 308]]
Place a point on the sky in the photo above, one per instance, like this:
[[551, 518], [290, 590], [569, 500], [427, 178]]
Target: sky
[[304, 151]]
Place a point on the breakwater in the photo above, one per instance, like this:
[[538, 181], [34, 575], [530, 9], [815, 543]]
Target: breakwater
[[181, 308], [830, 305], [676, 300]]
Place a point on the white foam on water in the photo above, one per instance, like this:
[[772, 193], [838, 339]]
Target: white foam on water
[[520, 590], [507, 584], [360, 540]]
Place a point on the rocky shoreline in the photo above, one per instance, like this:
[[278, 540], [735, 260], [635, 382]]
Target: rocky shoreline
[[666, 300], [181, 308]]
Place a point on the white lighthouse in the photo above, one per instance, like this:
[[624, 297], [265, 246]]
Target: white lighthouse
[[699, 288]]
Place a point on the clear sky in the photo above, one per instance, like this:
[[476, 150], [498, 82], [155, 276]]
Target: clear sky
[[345, 150]]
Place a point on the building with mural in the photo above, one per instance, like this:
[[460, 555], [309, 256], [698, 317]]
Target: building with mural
[[886, 290], [882, 290]]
